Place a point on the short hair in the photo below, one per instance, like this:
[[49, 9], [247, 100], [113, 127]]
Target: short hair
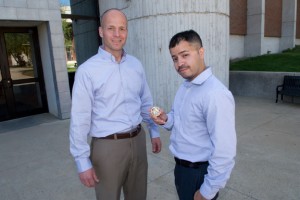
[[190, 36], [108, 10]]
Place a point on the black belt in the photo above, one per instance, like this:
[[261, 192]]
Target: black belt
[[189, 164], [130, 134]]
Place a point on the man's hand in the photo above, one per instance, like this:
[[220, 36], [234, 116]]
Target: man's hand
[[159, 119], [156, 145], [198, 196], [89, 178]]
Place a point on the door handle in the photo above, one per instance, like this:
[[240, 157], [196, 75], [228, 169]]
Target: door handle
[[7, 83]]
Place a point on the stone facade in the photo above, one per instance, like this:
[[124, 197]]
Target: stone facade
[[46, 16], [271, 27]]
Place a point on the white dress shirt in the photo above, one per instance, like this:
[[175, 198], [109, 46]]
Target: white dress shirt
[[202, 121]]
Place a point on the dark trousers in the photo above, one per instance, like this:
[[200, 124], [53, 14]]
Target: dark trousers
[[189, 180]]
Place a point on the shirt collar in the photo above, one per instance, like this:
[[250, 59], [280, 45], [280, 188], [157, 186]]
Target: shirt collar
[[201, 78], [106, 55]]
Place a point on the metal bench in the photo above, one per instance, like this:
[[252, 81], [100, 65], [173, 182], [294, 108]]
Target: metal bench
[[290, 87]]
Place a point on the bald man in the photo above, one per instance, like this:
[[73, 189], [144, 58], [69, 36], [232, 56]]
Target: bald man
[[110, 99]]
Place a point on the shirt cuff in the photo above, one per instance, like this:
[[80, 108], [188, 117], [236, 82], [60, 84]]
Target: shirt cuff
[[83, 164], [207, 192], [168, 123], [154, 133]]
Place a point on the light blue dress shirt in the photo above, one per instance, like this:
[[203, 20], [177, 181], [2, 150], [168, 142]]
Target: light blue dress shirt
[[202, 121], [108, 97]]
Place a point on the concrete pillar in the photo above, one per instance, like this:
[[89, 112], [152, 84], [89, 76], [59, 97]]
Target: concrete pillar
[[288, 31], [255, 28], [151, 26]]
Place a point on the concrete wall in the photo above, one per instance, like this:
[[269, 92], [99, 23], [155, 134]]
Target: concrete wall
[[271, 45], [48, 69], [255, 28], [236, 45], [260, 25], [257, 84], [288, 32], [45, 15]]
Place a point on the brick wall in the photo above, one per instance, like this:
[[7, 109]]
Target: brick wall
[[238, 17], [273, 18]]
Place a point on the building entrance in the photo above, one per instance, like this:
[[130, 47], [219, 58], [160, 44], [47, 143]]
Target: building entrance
[[22, 90]]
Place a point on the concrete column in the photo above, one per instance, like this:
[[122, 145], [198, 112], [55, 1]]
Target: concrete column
[[151, 26], [255, 27], [288, 31]]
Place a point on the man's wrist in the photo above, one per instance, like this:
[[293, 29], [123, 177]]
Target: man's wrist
[[165, 121]]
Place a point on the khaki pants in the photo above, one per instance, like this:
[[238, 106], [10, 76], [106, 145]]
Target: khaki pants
[[120, 164]]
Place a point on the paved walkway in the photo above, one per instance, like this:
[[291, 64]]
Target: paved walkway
[[35, 163]]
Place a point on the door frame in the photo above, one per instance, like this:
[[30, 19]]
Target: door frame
[[12, 114]]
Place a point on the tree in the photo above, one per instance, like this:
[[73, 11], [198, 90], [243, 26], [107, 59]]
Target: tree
[[17, 46], [68, 32]]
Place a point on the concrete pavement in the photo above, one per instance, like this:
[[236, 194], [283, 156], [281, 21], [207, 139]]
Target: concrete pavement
[[35, 163]]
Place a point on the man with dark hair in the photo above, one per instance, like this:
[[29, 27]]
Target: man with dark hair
[[189, 36], [110, 99], [202, 120]]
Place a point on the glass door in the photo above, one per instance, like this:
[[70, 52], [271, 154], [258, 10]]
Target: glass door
[[22, 90]]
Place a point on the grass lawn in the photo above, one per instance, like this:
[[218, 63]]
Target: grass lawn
[[72, 69], [287, 61]]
